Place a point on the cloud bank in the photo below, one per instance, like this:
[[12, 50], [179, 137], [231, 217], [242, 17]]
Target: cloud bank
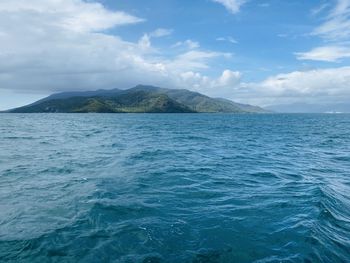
[[313, 86], [57, 45], [325, 53]]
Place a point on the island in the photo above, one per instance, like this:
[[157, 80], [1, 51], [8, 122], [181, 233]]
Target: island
[[140, 99]]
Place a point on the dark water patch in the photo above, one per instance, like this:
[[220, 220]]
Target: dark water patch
[[265, 175], [148, 155], [152, 259], [109, 211], [57, 170], [18, 138], [345, 159]]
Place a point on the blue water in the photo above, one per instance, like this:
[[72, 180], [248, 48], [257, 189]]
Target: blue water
[[174, 188]]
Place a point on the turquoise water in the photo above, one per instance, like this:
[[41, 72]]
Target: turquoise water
[[174, 188]]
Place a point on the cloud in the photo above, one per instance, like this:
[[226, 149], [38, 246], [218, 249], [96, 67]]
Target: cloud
[[325, 53], [282, 35], [193, 60], [312, 86], [189, 44], [335, 30], [145, 41], [319, 85], [229, 78], [337, 24], [228, 39], [224, 86], [54, 45], [161, 32], [319, 9], [233, 6], [74, 15]]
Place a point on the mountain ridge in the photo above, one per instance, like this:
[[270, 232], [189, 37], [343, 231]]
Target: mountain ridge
[[139, 99]]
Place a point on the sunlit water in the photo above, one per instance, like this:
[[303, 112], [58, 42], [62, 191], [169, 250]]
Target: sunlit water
[[174, 188]]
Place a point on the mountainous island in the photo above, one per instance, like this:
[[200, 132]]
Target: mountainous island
[[140, 99]]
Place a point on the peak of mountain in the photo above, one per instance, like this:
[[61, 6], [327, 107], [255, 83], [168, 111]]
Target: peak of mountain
[[95, 93], [138, 99]]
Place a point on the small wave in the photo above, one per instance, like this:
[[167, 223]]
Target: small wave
[[264, 175], [342, 158], [118, 210]]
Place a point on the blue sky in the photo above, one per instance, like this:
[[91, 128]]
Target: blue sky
[[260, 52], [266, 33]]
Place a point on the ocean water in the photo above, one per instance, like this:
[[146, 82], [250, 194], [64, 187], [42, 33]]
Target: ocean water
[[191, 188]]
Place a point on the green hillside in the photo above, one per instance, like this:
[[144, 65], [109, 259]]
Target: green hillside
[[140, 99]]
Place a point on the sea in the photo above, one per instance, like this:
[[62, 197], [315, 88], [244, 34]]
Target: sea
[[196, 188]]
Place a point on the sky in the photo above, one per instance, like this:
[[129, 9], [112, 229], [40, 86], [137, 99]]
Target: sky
[[262, 52]]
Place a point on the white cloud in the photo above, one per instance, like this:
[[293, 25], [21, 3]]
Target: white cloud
[[224, 86], [233, 6], [337, 24], [193, 60], [312, 86], [228, 39], [282, 35], [229, 78], [145, 42], [75, 15], [220, 39], [189, 44], [319, 85], [161, 32], [335, 30], [319, 9], [325, 53]]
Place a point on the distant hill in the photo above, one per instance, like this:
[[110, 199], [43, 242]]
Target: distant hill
[[140, 99], [311, 108]]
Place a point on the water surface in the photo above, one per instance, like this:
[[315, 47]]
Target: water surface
[[174, 188]]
